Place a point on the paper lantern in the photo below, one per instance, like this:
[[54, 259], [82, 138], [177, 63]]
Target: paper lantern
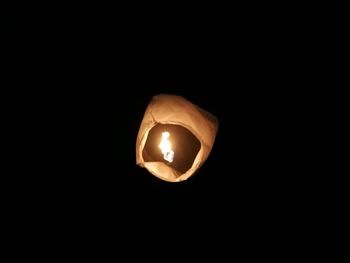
[[175, 138]]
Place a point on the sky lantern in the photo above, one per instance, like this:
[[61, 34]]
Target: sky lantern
[[175, 138]]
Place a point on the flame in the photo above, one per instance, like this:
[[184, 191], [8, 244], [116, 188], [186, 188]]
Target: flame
[[165, 147]]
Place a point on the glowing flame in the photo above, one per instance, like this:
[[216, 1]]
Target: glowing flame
[[165, 147]]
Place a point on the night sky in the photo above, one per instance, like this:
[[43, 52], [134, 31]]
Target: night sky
[[261, 71]]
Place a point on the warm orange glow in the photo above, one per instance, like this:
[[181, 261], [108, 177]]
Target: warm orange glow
[[165, 147]]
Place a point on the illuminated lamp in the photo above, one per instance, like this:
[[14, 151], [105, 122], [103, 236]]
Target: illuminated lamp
[[175, 138]]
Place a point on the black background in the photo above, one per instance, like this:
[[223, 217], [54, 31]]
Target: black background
[[264, 71]]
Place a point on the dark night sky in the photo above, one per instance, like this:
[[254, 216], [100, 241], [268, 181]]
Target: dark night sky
[[262, 71]]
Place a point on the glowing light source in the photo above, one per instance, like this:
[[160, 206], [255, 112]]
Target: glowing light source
[[165, 147], [172, 124]]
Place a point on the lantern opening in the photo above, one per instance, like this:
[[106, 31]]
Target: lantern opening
[[173, 145]]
